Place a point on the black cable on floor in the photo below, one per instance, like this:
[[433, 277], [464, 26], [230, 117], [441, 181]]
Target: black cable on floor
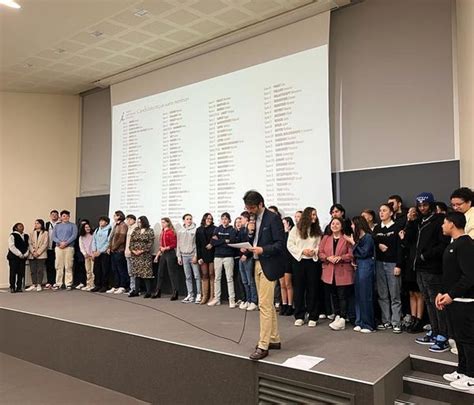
[[181, 319]]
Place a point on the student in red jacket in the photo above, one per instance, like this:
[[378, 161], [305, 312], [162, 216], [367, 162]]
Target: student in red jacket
[[338, 276], [168, 259]]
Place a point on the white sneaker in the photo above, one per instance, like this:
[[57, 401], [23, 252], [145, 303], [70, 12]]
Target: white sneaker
[[86, 288], [80, 286], [312, 324], [252, 307], [243, 305], [31, 288], [338, 323], [299, 322], [331, 317], [119, 290], [277, 305], [357, 329], [232, 303], [189, 298], [214, 302], [364, 330], [111, 291], [198, 299], [454, 351], [38, 288], [322, 316], [56, 287], [454, 376], [465, 384], [68, 288]]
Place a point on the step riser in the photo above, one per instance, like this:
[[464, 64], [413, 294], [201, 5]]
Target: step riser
[[437, 393], [431, 367]]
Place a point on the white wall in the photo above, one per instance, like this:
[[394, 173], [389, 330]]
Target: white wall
[[465, 72], [39, 160]]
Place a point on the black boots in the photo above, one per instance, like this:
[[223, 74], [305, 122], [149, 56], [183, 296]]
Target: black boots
[[416, 326], [157, 294], [174, 297]]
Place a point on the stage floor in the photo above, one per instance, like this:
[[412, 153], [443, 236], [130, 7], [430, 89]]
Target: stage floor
[[348, 354]]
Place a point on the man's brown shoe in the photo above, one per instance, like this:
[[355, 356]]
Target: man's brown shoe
[[258, 354]]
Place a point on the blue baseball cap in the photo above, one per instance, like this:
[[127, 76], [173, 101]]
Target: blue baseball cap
[[425, 198]]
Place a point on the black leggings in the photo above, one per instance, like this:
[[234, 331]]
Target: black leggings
[[340, 296]]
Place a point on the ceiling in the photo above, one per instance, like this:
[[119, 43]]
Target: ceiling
[[64, 46]]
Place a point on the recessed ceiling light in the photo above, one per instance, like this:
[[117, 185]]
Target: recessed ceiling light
[[97, 34], [140, 13], [10, 3]]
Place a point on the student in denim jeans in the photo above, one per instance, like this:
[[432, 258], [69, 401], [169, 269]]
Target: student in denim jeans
[[424, 231], [246, 269], [388, 269], [187, 257]]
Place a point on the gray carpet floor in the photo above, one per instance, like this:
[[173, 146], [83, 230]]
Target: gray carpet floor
[[347, 353]]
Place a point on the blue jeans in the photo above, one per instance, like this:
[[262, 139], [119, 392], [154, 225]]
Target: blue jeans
[[246, 273], [132, 278], [388, 288], [191, 268], [364, 293]]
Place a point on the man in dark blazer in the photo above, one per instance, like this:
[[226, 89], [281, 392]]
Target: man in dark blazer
[[267, 236]]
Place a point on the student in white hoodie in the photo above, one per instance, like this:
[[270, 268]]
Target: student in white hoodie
[[186, 253]]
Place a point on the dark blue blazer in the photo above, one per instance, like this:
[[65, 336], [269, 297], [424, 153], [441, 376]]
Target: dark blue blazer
[[271, 237]]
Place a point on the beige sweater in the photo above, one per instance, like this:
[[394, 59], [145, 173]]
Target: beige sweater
[[39, 244]]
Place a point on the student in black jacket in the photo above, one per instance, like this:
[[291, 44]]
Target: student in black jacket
[[18, 250], [457, 298], [426, 234], [205, 256], [224, 258]]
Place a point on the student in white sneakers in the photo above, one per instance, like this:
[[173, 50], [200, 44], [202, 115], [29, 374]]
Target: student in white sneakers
[[338, 273], [131, 221], [38, 253], [17, 255], [85, 245], [187, 257], [117, 241], [457, 298]]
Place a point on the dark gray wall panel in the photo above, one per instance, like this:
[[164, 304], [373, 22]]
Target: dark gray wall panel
[[92, 207], [368, 188]]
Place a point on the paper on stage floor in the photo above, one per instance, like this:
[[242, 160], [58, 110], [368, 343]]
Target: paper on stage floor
[[302, 362], [242, 245]]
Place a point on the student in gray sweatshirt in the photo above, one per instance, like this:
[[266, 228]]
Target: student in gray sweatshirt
[[186, 253]]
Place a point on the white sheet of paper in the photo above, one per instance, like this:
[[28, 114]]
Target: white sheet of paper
[[302, 362], [242, 245]]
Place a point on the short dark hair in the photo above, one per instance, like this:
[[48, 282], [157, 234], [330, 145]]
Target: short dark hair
[[204, 217], [274, 208], [131, 216], [464, 193], [253, 197], [144, 223], [41, 222], [388, 205], [65, 212], [187, 215], [371, 213], [14, 228], [120, 214], [226, 214], [396, 197], [442, 206], [458, 219], [339, 207], [246, 215], [104, 218], [53, 212], [290, 221]]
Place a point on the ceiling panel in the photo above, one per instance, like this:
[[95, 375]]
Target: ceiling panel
[[65, 46]]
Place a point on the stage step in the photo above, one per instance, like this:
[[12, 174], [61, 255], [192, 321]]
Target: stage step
[[433, 386], [407, 399], [432, 366]]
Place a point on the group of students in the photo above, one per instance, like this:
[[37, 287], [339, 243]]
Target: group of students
[[355, 270]]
